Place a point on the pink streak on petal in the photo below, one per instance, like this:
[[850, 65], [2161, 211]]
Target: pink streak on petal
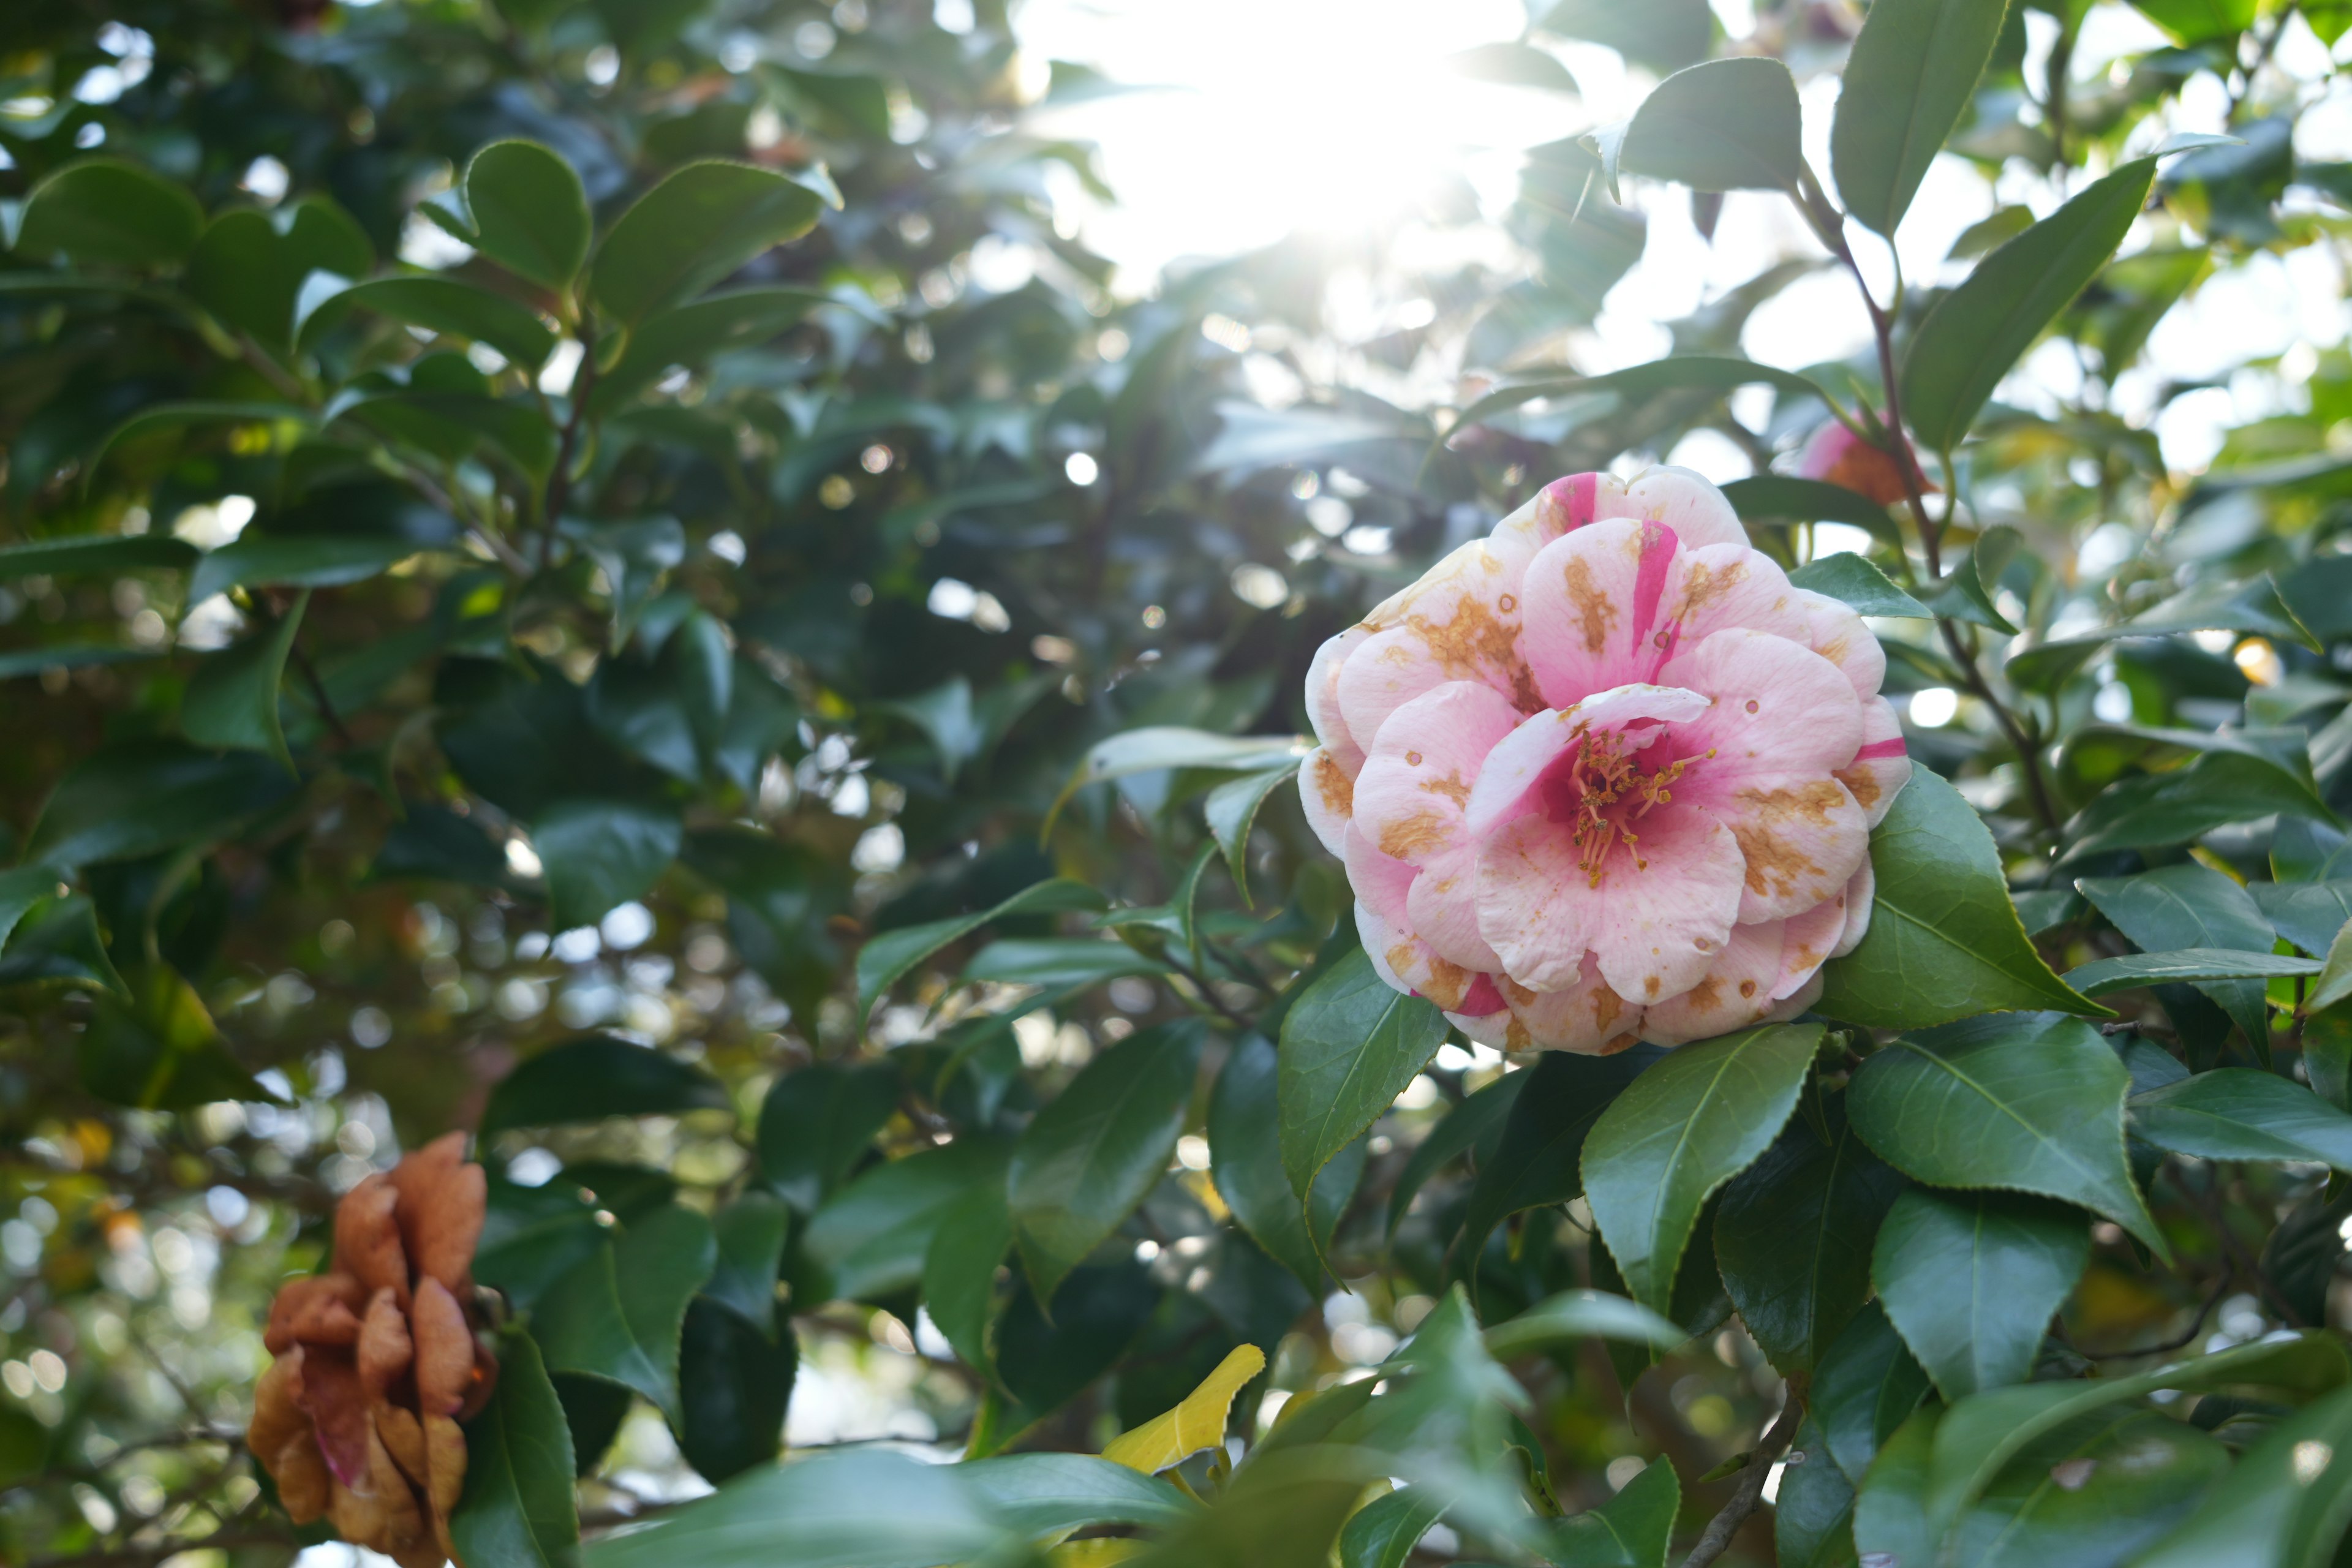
[[1578, 496], [1659, 543], [1482, 998], [1517, 762], [1894, 748]]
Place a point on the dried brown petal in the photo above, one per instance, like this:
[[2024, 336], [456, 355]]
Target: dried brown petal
[[404, 1528], [384, 1350], [367, 1237], [445, 1451], [337, 1404], [319, 1309], [277, 1412], [445, 1349], [301, 1472], [443, 1200], [404, 1439]]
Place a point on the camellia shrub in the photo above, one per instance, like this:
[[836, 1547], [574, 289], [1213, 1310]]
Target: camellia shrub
[[671, 785]]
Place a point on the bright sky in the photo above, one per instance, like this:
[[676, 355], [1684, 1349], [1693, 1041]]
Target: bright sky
[[1287, 116]]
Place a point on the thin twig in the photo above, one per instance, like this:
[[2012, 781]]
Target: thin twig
[[558, 482], [1717, 1538], [2220, 1289]]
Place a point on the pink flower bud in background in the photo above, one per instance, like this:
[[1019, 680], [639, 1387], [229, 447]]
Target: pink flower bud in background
[[1605, 775], [1838, 456]]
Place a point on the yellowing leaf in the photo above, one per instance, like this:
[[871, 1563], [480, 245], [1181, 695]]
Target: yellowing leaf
[[1097, 1552], [1197, 1424]]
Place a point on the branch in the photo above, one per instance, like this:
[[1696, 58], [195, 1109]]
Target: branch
[[149, 1555], [558, 482], [1717, 1538]]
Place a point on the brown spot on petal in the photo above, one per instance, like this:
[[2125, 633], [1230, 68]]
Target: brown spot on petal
[[1475, 643], [1594, 609], [1607, 1005], [1861, 782], [1705, 583], [1650, 984], [1451, 786], [1624, 1042], [1338, 789], [1416, 835], [1449, 984], [1776, 866], [1515, 1036], [1707, 992], [1746, 988]]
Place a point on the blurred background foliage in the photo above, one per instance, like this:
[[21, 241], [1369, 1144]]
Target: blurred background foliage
[[416, 684]]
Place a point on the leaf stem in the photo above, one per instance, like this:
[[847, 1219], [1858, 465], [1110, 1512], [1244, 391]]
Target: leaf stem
[[558, 482], [1717, 1538]]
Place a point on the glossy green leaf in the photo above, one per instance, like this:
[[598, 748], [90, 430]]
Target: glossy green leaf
[[1245, 1159], [518, 1510], [1383, 1532], [2254, 606], [860, 1508], [1051, 1494], [1865, 1385], [1053, 963], [109, 211], [2220, 788], [1812, 1516], [1781, 498], [2306, 851], [595, 1077], [734, 1383], [1972, 592], [601, 853], [1097, 1147], [1678, 373], [617, 1314], [1575, 1315], [1159, 748], [142, 797], [2197, 21], [157, 1048], [817, 1122], [1945, 942], [691, 334], [1632, 1529], [1475, 1123], [2190, 906], [1890, 1513], [2335, 982], [1538, 1160], [1232, 807], [1723, 125], [1793, 1233], [750, 1230], [248, 268], [1853, 580], [2030, 1103], [1908, 81], [442, 305], [698, 226], [871, 1237], [529, 214], [2285, 1502], [959, 1269], [302, 561], [2308, 914], [891, 955], [2233, 1113], [1971, 1280], [1975, 333], [21, 887], [1349, 1045], [2094, 1491], [2199, 964], [106, 552], [231, 702], [1685, 1127]]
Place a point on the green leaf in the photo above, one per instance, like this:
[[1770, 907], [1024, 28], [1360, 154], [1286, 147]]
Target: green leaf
[[601, 853], [530, 216], [1575, 1315], [1383, 1532], [1245, 1160], [1632, 1529], [595, 1077], [2277, 1505], [1685, 1128], [232, 700], [2308, 914], [1663, 34], [2233, 1113], [1976, 333], [157, 1048], [250, 267], [699, 224], [1812, 1516], [1890, 1515], [59, 940], [1971, 1280], [1097, 1147], [1910, 77], [1865, 1386], [2190, 906], [750, 1231], [734, 1383], [518, 1510], [179, 416], [103, 553], [1349, 1045], [891, 955], [1945, 942], [2095, 1490], [960, 1272], [1232, 807], [2241, 777], [1778, 498], [1678, 373], [2198, 21], [691, 334], [2256, 605], [618, 1313], [21, 887], [862, 1508], [109, 211], [2189, 965], [442, 305], [1512, 65], [2031, 1103], [1972, 592], [141, 797], [1723, 125], [1852, 579], [1538, 1159], [1159, 748], [2304, 851], [1978, 1437], [305, 560], [870, 1238], [1053, 1494], [1476, 1122], [1056, 961], [1794, 1237], [2335, 982], [817, 1122]]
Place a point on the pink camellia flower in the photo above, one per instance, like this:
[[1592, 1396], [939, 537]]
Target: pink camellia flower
[[1605, 775], [1841, 457]]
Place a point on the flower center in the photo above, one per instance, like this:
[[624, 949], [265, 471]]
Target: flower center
[[1599, 789]]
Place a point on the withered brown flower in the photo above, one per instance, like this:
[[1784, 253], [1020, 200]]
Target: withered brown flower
[[378, 1360]]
